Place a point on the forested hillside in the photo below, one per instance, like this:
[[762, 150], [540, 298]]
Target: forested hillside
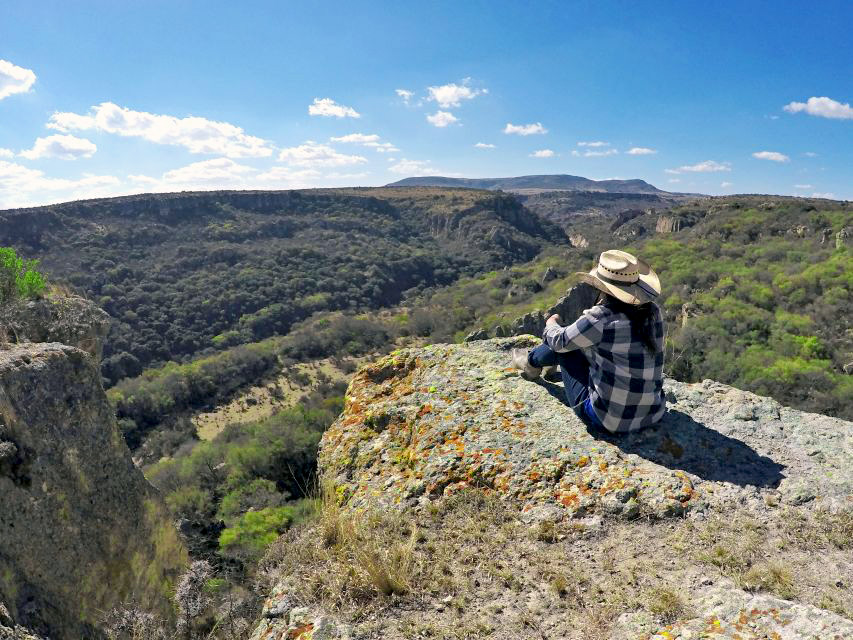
[[185, 274]]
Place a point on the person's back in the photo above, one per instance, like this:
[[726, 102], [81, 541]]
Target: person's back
[[626, 367], [611, 357]]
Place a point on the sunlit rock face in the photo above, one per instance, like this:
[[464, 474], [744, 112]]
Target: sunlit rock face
[[81, 531]]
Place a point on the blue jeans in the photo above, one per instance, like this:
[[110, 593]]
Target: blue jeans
[[575, 370]]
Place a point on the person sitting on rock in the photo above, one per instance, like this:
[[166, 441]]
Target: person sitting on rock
[[611, 358]]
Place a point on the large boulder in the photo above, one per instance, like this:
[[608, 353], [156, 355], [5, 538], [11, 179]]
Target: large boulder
[[81, 531], [71, 320]]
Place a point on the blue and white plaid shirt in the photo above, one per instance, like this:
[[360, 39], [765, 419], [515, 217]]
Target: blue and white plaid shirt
[[625, 378]]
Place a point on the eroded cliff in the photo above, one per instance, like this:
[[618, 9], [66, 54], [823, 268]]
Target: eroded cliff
[[81, 531]]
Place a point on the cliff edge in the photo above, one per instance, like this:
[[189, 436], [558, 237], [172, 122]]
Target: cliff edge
[[709, 522], [81, 531]]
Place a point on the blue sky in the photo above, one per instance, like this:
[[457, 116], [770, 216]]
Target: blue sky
[[107, 98]]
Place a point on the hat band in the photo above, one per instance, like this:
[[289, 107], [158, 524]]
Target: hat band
[[618, 278], [639, 283]]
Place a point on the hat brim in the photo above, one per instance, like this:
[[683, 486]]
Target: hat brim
[[646, 289]]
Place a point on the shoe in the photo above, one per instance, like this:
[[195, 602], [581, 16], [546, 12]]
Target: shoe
[[552, 373], [520, 362]]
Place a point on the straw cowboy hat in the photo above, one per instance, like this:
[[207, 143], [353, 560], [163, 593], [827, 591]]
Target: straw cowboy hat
[[623, 276]]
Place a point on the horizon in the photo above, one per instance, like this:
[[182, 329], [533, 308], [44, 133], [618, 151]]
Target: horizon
[[122, 100]]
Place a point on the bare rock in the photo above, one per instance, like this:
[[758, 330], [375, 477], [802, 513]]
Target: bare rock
[[81, 530], [70, 320], [550, 274], [578, 241]]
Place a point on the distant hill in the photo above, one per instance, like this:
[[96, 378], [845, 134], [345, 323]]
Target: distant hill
[[557, 182]]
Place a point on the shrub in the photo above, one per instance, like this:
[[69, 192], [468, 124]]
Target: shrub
[[254, 531], [19, 278]]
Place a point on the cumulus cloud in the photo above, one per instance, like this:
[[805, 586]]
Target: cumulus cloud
[[14, 79], [595, 143], [525, 129], [21, 186], [640, 151], [313, 154], [64, 147], [366, 140], [196, 134], [542, 153], [405, 94], [726, 184], [452, 94], [594, 153], [484, 145], [441, 118], [709, 166], [773, 156], [674, 180], [822, 107], [803, 186], [6, 153], [810, 154], [827, 196], [331, 109]]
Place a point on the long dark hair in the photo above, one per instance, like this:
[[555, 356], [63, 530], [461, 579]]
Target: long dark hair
[[642, 318]]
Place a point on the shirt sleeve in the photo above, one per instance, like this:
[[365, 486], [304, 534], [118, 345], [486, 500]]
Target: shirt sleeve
[[585, 332]]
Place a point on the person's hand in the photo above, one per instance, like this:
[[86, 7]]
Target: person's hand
[[554, 319]]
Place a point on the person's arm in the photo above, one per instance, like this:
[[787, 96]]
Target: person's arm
[[585, 332]]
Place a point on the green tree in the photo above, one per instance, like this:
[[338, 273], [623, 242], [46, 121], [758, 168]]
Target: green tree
[[19, 278]]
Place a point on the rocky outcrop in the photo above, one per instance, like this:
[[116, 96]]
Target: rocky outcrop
[[569, 308], [423, 423], [69, 320], [578, 241], [842, 238], [670, 224], [81, 531]]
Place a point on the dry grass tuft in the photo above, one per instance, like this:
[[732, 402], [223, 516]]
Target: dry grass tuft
[[665, 603], [770, 576]]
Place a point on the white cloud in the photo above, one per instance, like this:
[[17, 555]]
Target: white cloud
[[828, 196], [810, 154], [484, 145], [357, 138], [405, 94], [596, 143], [442, 118], [331, 109], [525, 129], [674, 180], [542, 153], [773, 156], [21, 186], [726, 184], [822, 107], [452, 94], [64, 147], [6, 153], [640, 151], [218, 172], [367, 140], [196, 134], [312, 154], [417, 168], [709, 166], [14, 79], [803, 186], [590, 153]]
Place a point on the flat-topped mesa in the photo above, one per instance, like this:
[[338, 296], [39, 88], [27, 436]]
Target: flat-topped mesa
[[81, 531], [425, 422]]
